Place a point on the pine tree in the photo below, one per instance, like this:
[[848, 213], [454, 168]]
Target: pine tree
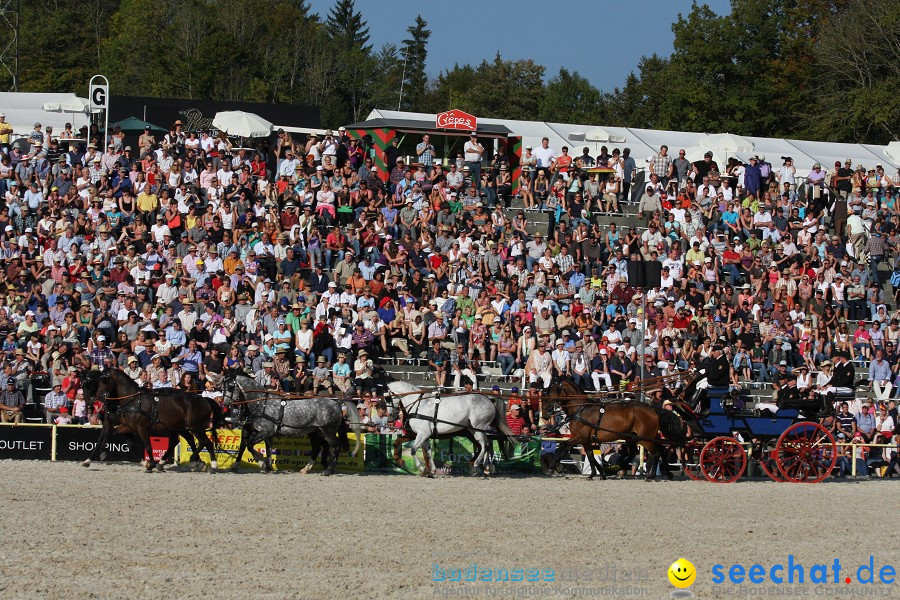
[[414, 53], [347, 27]]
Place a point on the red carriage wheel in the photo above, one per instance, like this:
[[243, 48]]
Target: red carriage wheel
[[768, 461], [691, 461], [806, 453], [723, 460]]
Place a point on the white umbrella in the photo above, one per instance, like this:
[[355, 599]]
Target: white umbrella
[[600, 135], [70, 105], [243, 124], [726, 143]]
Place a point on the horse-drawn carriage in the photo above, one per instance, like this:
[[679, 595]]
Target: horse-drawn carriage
[[785, 447]]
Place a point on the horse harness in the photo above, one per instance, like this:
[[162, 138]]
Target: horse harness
[[247, 416], [433, 419]]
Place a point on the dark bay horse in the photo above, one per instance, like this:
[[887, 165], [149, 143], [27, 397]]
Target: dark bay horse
[[144, 412], [592, 422]]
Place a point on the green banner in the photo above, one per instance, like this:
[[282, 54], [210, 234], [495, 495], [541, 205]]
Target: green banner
[[451, 456]]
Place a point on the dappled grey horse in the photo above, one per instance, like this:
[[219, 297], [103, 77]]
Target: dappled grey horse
[[268, 414], [431, 416]]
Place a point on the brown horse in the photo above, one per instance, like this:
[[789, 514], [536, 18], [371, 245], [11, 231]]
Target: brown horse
[[592, 422], [132, 409]]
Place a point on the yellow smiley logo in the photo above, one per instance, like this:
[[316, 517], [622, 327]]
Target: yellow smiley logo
[[682, 573]]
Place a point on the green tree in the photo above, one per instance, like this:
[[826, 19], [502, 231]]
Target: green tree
[[858, 75], [59, 43], [128, 56], [638, 103], [384, 91], [570, 98], [507, 89], [415, 53], [452, 89], [347, 28]]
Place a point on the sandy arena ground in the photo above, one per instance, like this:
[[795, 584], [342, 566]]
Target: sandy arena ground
[[113, 531]]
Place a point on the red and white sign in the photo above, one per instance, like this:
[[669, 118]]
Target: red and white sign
[[456, 119]]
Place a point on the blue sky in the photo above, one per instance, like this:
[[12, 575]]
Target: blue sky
[[602, 40]]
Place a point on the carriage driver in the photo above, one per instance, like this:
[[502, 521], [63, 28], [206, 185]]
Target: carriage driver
[[718, 369], [715, 370]]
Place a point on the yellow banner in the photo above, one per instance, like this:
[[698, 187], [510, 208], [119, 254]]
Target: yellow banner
[[288, 453]]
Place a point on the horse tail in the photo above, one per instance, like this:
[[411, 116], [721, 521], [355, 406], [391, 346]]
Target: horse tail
[[670, 426], [355, 424], [218, 421], [500, 418], [504, 433]]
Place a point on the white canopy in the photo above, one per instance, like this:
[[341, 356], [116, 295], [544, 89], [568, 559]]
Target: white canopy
[[644, 143], [243, 124], [23, 110], [892, 151]]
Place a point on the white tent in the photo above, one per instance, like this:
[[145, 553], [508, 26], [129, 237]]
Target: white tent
[[644, 143], [23, 110], [892, 151]]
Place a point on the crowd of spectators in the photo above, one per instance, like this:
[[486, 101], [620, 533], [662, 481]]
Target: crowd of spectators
[[179, 258]]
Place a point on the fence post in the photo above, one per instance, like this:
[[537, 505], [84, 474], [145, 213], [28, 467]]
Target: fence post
[[853, 460], [53, 444]]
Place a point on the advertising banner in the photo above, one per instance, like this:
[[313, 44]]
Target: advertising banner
[[451, 456], [76, 442], [28, 442], [289, 453]]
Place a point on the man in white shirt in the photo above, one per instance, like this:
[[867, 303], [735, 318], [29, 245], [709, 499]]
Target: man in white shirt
[[674, 264], [167, 292], [474, 154], [546, 158], [288, 166]]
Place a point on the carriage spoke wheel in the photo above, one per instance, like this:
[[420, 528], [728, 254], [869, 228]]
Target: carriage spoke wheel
[[723, 460], [805, 453], [768, 461], [691, 462]]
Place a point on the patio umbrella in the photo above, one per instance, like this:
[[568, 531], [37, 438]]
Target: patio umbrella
[[600, 135], [134, 124], [726, 143], [243, 124], [74, 104]]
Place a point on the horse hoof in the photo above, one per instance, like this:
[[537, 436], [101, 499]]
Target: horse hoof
[[103, 456], [213, 467], [160, 468], [327, 473], [262, 465], [86, 463]]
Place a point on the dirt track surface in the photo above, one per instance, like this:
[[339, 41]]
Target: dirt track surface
[[113, 531]]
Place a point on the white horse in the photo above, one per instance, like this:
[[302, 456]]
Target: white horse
[[429, 415]]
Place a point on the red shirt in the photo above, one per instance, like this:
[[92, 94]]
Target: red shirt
[[334, 241], [516, 424]]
